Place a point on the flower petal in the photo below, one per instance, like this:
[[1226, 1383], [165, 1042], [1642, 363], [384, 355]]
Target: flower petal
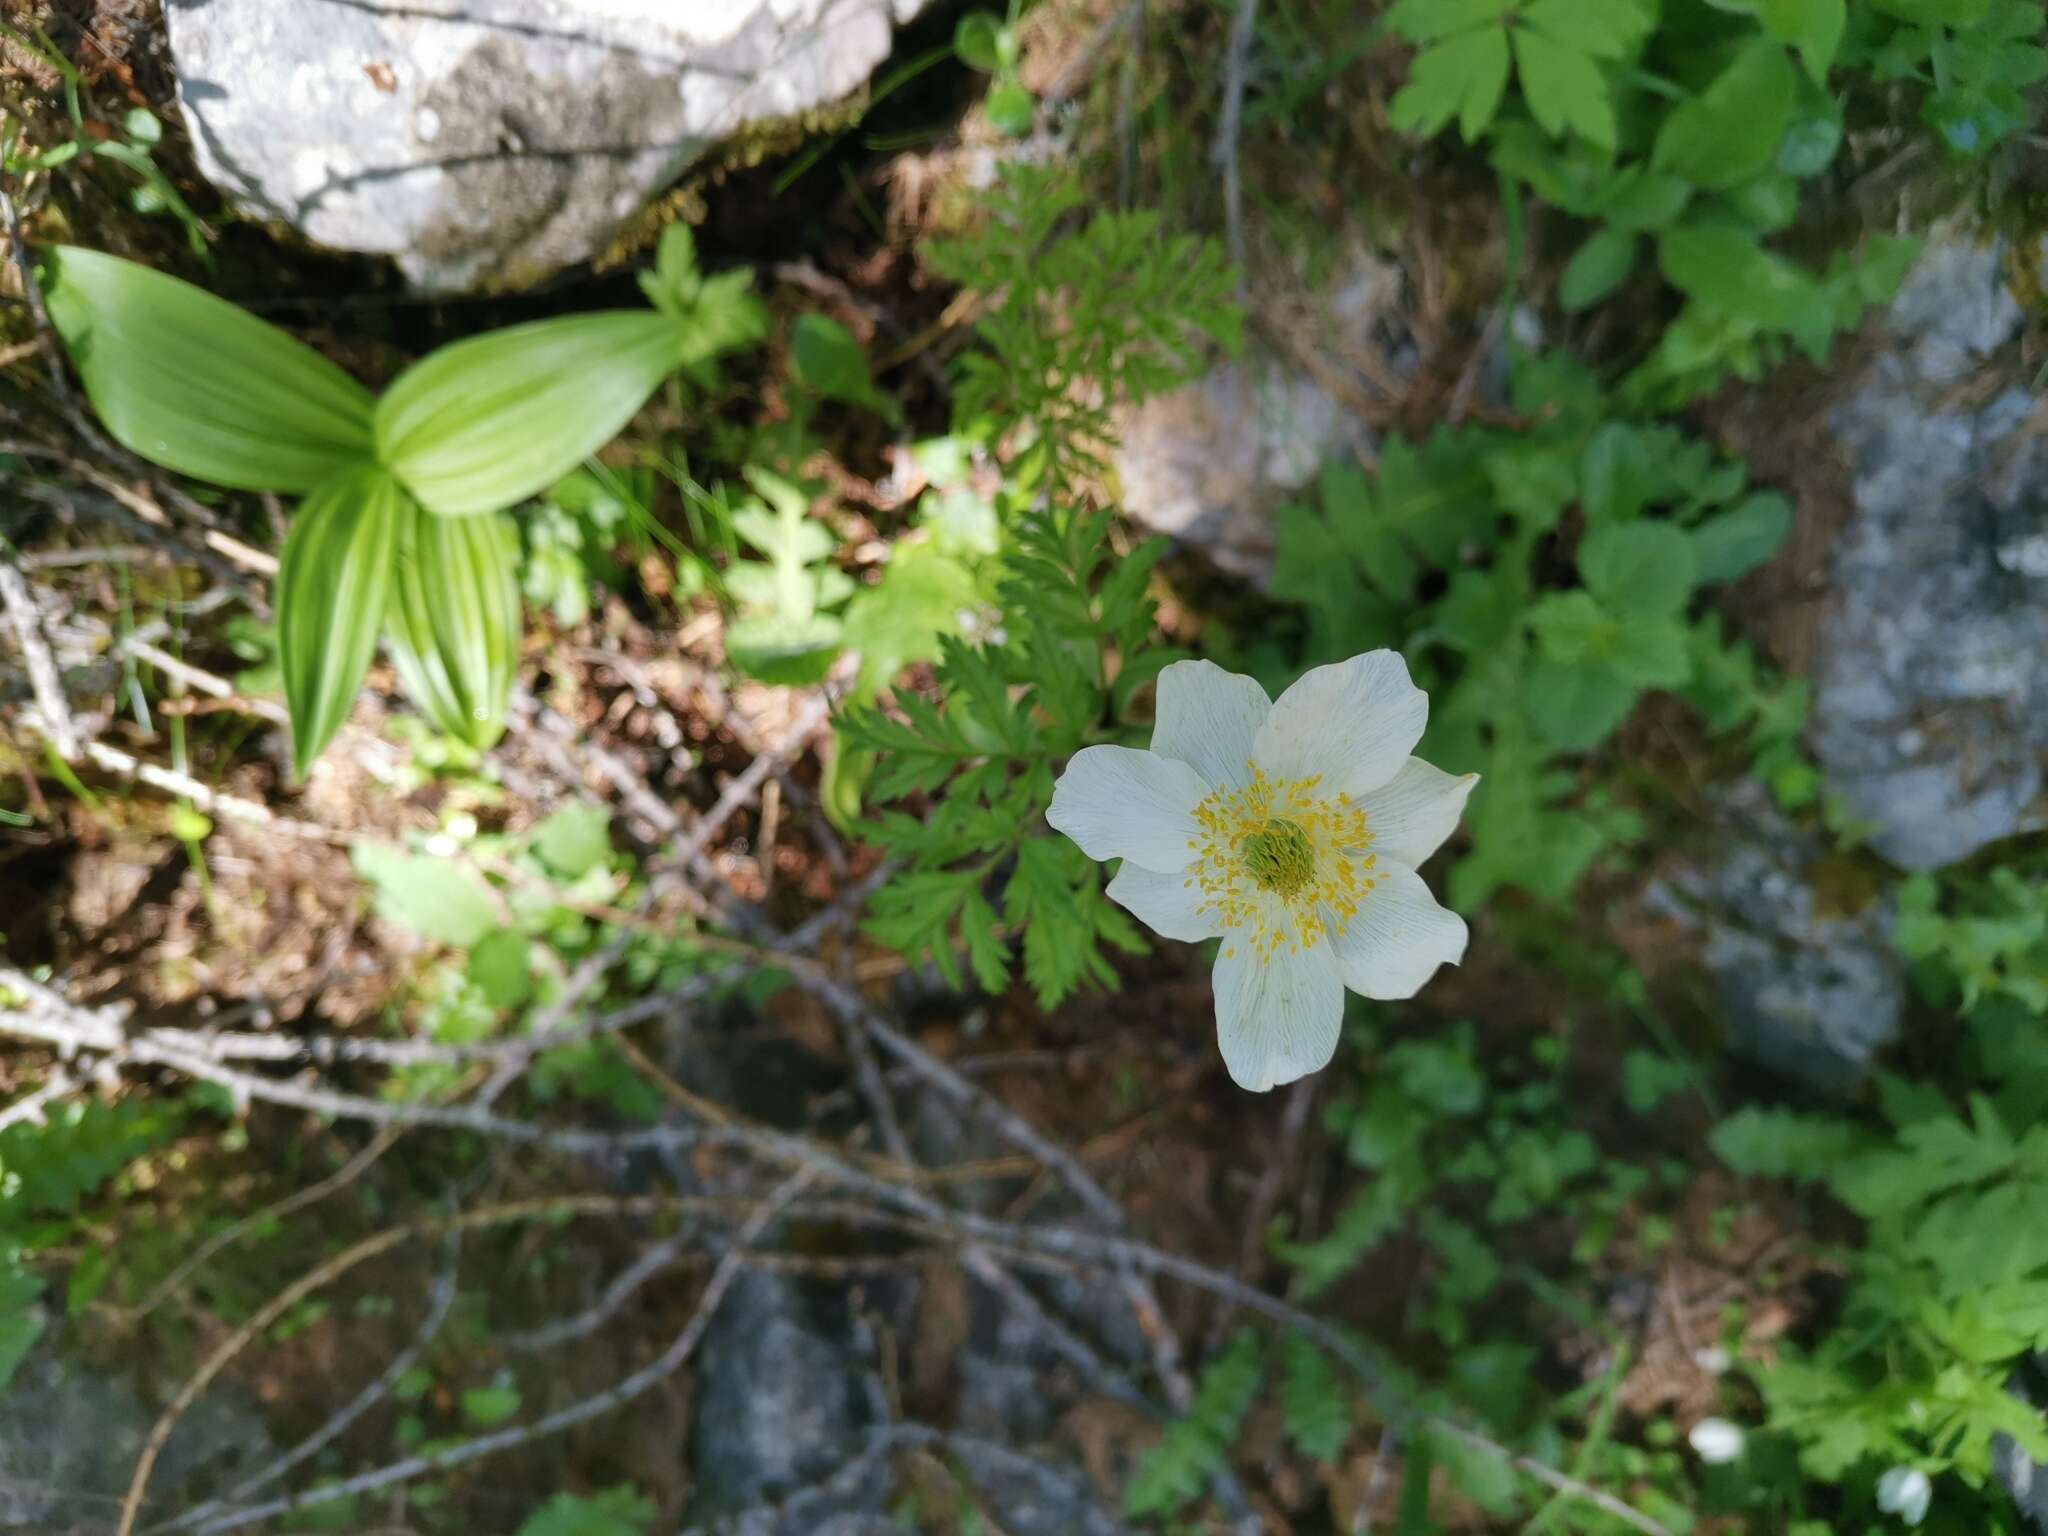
[[1276, 1019], [1209, 718], [1353, 723], [1164, 903], [1399, 937], [1411, 815], [1120, 803]]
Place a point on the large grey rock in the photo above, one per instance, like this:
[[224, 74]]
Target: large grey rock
[[1210, 464], [1931, 702], [490, 142], [69, 1437], [1804, 992]]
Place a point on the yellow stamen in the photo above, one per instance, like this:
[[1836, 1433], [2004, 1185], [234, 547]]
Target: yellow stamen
[[1279, 863]]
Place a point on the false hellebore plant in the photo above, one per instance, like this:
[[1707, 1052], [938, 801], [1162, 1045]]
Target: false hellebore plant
[[402, 529], [1289, 830]]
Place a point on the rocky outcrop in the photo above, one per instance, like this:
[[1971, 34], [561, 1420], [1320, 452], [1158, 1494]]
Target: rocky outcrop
[[1930, 709], [488, 144]]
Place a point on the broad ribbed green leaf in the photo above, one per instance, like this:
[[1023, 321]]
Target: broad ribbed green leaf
[[491, 421], [197, 385], [454, 620], [332, 589]]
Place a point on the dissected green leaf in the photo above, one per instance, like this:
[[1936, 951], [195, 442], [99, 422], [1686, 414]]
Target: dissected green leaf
[[1313, 1399], [486, 423], [1463, 78], [783, 637], [1195, 1446], [712, 314], [1564, 87], [333, 583], [200, 386], [453, 621], [1600, 29], [1425, 21], [1781, 1143]]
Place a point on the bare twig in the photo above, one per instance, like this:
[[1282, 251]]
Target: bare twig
[[30, 1107], [748, 783], [1069, 79], [595, 1406], [905, 1206], [207, 798], [660, 1256], [43, 676], [199, 678], [31, 290], [227, 1237], [1236, 60], [1376, 1482], [440, 1302], [1293, 1121]]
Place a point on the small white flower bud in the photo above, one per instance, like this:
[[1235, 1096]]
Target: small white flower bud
[[1716, 1441], [1905, 1492]]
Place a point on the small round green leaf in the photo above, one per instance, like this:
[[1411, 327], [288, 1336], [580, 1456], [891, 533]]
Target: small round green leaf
[[975, 41], [1012, 109]]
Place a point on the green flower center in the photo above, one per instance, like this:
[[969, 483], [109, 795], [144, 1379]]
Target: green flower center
[[1280, 857]]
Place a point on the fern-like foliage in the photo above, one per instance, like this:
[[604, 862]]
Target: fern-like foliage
[[1082, 319], [977, 764], [1179, 1467], [1313, 1403]]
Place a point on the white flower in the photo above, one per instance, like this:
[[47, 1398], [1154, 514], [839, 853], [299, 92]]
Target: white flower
[[1716, 1441], [1905, 1492], [1289, 830]]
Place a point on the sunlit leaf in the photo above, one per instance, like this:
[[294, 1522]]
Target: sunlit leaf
[[1732, 129], [332, 586], [454, 620], [488, 422], [193, 383]]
